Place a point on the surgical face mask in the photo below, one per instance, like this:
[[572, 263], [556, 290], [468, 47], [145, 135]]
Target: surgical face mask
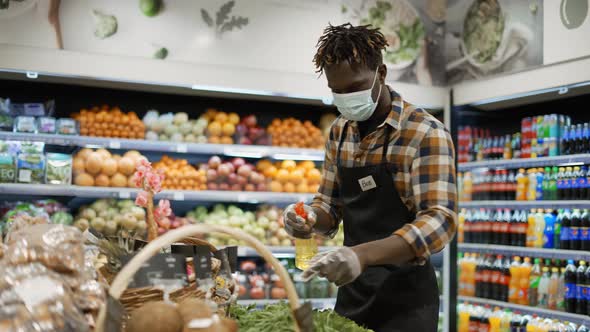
[[359, 105]]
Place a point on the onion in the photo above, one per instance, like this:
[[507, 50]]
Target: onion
[[214, 162]]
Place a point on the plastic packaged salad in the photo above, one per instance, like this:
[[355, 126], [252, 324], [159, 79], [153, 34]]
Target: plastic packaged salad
[[67, 126], [31, 168], [59, 168], [46, 125], [25, 124]]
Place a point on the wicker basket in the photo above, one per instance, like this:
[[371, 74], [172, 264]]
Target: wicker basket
[[134, 298], [122, 279]]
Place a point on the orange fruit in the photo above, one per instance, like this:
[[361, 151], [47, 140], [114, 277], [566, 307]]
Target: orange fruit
[[221, 117], [228, 129], [270, 172], [283, 175], [215, 128], [289, 187], [276, 187], [296, 176], [314, 176], [233, 118], [288, 165]]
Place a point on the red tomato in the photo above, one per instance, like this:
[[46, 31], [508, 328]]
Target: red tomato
[[257, 293], [278, 293]]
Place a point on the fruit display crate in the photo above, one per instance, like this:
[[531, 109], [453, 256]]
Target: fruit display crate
[[175, 195], [553, 314], [327, 303], [562, 204], [525, 162], [524, 251], [232, 150]]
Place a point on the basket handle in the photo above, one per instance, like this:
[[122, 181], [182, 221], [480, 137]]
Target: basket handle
[[123, 278]]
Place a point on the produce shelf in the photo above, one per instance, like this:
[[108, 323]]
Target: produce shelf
[[328, 303], [573, 204], [176, 195], [234, 150], [278, 252], [524, 251], [525, 162], [553, 314]]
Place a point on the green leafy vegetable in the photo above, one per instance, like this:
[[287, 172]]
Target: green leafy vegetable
[[278, 318], [161, 53], [105, 25]]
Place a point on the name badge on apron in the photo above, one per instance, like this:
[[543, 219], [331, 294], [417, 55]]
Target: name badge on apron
[[367, 183]]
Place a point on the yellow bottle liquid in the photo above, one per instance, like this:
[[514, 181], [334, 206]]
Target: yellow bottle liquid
[[305, 250]]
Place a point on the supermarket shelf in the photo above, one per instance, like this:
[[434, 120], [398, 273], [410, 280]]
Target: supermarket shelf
[[523, 251], [278, 252], [328, 303], [527, 204], [553, 314], [525, 162], [235, 150], [176, 195]]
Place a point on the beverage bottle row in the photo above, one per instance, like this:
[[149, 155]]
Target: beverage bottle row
[[575, 139], [475, 318], [476, 144], [549, 286], [536, 228], [534, 184], [541, 135]]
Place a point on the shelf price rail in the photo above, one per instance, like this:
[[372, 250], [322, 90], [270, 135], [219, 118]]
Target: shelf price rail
[[547, 313], [562, 204], [231, 150], [524, 251], [526, 162]]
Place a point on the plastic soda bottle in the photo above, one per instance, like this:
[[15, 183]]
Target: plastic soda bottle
[[549, 232], [570, 287], [534, 281], [543, 298], [532, 186], [539, 187], [581, 300], [553, 289], [523, 288], [467, 187], [561, 291], [521, 185], [530, 231], [514, 284]]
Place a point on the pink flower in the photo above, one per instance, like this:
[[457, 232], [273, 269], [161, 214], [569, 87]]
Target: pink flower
[[144, 163], [163, 208], [163, 223], [137, 179], [141, 199], [154, 181]]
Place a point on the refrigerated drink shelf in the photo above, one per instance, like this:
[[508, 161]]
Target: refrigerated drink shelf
[[553, 314], [558, 204], [524, 251], [527, 162]]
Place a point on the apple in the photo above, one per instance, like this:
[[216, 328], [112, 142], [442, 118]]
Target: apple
[[214, 162], [241, 129], [223, 186], [261, 187], [236, 187], [212, 186], [242, 180], [211, 175], [245, 171], [237, 162], [224, 170], [250, 187], [250, 120], [245, 141], [232, 178]]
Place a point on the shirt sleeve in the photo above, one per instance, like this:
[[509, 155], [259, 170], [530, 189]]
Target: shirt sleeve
[[434, 189], [328, 197]]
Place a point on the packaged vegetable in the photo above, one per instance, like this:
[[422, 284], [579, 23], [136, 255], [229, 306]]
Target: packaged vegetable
[[6, 120], [25, 124], [34, 298], [31, 168], [7, 168], [67, 126], [46, 125], [59, 168], [58, 247], [28, 147]]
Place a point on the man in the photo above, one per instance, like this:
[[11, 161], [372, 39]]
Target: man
[[389, 174]]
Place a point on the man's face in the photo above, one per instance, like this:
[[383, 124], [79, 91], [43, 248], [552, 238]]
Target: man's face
[[344, 78]]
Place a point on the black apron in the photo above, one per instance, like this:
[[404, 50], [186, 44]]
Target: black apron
[[387, 297]]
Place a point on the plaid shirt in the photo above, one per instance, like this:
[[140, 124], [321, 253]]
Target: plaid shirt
[[422, 151]]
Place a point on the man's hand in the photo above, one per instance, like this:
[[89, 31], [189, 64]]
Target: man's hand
[[341, 266], [295, 225]]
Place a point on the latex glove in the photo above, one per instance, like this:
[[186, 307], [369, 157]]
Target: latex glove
[[340, 266], [295, 225]]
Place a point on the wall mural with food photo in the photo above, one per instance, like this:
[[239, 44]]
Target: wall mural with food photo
[[491, 37], [415, 32]]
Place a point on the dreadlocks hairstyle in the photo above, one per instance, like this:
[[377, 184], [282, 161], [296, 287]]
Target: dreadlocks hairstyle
[[355, 44]]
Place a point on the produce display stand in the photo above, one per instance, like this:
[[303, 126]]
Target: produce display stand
[[302, 317]]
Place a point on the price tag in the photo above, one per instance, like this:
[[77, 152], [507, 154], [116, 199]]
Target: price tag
[[181, 148], [160, 267], [178, 196], [124, 195], [114, 145], [202, 262]]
